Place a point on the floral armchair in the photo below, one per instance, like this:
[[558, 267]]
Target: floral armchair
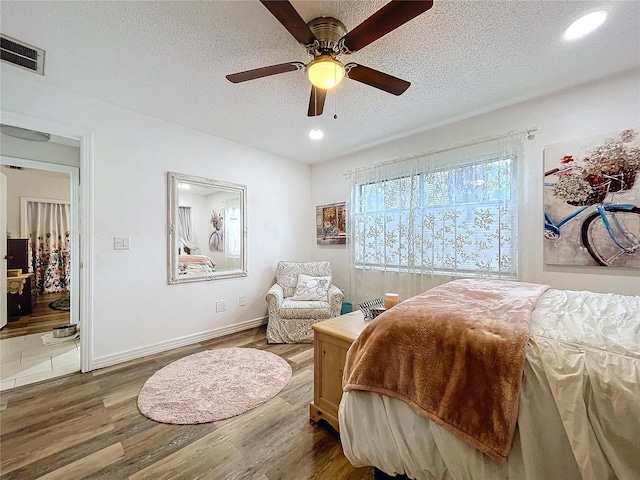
[[301, 296]]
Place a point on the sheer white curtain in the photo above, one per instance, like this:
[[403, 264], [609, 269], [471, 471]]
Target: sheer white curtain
[[186, 231], [422, 221], [233, 228], [49, 245]]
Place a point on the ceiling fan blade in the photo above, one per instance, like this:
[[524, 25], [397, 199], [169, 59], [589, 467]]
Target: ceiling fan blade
[[290, 19], [316, 102], [388, 18], [264, 72], [376, 79]]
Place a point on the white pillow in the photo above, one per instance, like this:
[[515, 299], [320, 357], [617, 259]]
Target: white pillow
[[312, 288]]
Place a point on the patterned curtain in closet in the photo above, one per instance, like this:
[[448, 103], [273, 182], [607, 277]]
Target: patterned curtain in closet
[[49, 245]]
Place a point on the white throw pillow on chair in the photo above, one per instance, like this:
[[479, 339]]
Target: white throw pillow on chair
[[311, 288]]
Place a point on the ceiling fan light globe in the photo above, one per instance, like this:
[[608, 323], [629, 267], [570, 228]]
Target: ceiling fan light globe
[[325, 72]]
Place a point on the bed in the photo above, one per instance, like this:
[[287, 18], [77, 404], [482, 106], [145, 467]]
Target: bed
[[570, 410], [195, 264]]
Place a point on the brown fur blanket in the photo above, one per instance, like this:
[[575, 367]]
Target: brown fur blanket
[[455, 354]]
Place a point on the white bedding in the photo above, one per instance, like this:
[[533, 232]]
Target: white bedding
[[196, 268], [198, 264], [579, 415]]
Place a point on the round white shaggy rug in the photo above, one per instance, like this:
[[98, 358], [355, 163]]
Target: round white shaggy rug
[[213, 385]]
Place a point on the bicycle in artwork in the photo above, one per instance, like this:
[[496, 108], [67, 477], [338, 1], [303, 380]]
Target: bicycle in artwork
[[609, 231]]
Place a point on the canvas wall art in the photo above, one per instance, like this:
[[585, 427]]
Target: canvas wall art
[[216, 229], [592, 201], [331, 224]]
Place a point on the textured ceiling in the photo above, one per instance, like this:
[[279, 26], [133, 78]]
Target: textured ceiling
[[169, 60]]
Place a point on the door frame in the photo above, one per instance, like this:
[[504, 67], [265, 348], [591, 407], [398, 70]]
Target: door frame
[[3, 251], [82, 198]]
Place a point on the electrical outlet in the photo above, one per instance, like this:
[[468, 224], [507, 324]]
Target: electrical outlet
[[221, 306], [121, 243], [242, 301]]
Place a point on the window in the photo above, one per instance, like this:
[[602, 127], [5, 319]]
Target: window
[[234, 230], [454, 218]]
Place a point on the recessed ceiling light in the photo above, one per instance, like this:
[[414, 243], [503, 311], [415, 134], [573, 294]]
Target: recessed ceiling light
[[316, 134], [585, 25]]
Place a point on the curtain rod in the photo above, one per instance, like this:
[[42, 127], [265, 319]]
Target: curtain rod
[[529, 132]]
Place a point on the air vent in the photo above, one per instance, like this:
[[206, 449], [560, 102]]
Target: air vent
[[21, 54]]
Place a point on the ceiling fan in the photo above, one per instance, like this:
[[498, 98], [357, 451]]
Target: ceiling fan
[[326, 38]]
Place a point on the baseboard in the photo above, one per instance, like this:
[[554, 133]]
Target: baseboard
[[110, 360]]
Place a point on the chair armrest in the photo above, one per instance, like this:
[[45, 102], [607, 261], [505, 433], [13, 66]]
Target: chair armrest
[[336, 297], [275, 295]]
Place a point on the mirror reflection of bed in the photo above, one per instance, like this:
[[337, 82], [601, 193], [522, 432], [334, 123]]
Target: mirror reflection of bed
[[190, 263]]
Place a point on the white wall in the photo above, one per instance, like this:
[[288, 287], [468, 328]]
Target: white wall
[[601, 107], [134, 307], [31, 183]]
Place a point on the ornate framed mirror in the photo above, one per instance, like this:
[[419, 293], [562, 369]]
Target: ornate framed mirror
[[207, 229]]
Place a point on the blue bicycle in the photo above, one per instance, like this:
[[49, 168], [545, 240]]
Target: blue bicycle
[[610, 233]]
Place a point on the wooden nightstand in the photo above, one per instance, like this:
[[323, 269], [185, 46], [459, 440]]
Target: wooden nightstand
[[332, 339]]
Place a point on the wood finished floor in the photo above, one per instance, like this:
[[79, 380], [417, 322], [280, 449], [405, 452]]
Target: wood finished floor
[[87, 426], [41, 320]]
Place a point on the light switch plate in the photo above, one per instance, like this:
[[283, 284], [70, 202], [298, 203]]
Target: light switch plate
[[121, 243]]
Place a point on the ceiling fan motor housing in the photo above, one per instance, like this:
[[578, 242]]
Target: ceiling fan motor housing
[[328, 31]]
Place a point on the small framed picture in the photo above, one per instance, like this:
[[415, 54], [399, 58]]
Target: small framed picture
[[331, 224]]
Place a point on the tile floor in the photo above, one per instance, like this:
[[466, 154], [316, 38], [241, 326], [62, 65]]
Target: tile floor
[[25, 360]]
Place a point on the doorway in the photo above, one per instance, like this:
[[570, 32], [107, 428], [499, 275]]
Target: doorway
[[40, 227], [80, 307]]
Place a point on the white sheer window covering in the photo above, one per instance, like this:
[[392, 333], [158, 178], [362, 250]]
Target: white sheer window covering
[[186, 230], [233, 229], [418, 222]]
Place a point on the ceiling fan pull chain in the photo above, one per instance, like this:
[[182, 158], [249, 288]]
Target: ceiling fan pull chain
[[335, 101]]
